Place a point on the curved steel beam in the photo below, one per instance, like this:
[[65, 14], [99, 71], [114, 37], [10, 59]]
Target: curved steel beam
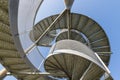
[[13, 13]]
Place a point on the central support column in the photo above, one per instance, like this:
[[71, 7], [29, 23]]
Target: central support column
[[68, 3]]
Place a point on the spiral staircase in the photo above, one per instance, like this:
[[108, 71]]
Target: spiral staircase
[[81, 49]]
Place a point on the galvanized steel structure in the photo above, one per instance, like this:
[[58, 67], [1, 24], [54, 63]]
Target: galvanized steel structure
[[81, 49]]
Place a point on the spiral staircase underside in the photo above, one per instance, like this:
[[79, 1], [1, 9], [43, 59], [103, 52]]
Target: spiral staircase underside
[[82, 29], [10, 57], [96, 37]]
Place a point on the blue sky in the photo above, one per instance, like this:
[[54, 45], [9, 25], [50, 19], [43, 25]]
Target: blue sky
[[105, 12]]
